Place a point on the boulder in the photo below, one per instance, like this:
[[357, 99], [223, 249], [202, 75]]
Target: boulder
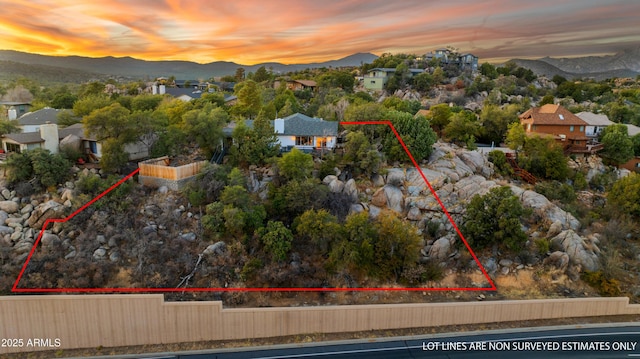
[[99, 253], [48, 210], [351, 189], [554, 229], [557, 259], [490, 266], [328, 179], [377, 180], [545, 208], [356, 208], [395, 177], [336, 186], [50, 240], [3, 217], [218, 248], [6, 230], [577, 250], [9, 206], [440, 249], [163, 189], [6, 194], [189, 237], [414, 214]]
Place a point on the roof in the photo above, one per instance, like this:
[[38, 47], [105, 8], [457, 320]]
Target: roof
[[180, 91], [392, 69], [24, 138], [550, 114], [594, 119], [303, 125], [76, 129], [40, 117], [296, 125], [632, 129], [15, 103], [308, 83]]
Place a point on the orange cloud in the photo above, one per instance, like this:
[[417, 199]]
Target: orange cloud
[[252, 31]]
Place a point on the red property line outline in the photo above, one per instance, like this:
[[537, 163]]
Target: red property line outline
[[15, 288]]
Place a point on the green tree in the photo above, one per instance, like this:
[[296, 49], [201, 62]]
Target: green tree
[[543, 157], [636, 144], [624, 197], [547, 99], [295, 165], [496, 120], [114, 157], [618, 147], [146, 102], [440, 117], [361, 154], [495, 219], [9, 126], [205, 127], [66, 118], [319, 227], [416, 134], [277, 239], [516, 137], [488, 70], [261, 75], [423, 82], [111, 121], [462, 129], [249, 99], [397, 247], [337, 78], [240, 74], [86, 105], [48, 169]]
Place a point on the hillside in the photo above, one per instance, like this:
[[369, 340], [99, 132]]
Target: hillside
[[626, 63], [130, 67], [44, 74]]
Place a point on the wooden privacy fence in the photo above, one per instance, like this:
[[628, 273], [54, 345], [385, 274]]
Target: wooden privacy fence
[[90, 321], [159, 168]]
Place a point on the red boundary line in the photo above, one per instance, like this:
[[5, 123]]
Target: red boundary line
[[15, 288]]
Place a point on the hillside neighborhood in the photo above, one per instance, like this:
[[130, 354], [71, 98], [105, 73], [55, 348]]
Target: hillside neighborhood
[[252, 179]]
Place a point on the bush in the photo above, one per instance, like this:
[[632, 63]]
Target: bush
[[419, 274], [499, 160], [495, 219], [606, 286], [46, 168], [556, 191]]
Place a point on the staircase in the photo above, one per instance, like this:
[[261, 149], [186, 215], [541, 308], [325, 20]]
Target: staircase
[[521, 173], [218, 155]]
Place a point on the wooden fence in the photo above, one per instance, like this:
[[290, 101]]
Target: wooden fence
[[90, 321], [159, 168]]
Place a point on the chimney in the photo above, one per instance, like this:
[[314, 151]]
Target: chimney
[[162, 90], [49, 133], [154, 89], [12, 114], [278, 125]]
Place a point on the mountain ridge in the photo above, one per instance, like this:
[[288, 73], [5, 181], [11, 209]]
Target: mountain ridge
[[132, 67]]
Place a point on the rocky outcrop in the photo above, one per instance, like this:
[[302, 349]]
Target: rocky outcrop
[[580, 251], [50, 209]]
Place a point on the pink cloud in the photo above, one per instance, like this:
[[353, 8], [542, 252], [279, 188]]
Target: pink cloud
[[253, 31]]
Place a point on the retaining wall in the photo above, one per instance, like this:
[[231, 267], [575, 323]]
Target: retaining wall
[[89, 321]]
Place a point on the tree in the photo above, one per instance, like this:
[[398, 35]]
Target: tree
[[114, 157], [49, 169], [277, 239], [9, 126], [496, 120], [86, 105], [240, 73], [440, 117], [111, 121], [319, 227], [624, 197], [423, 82], [463, 128], [146, 102], [397, 247], [547, 99], [618, 147], [416, 134], [636, 144], [295, 165], [261, 75], [249, 99], [488, 70], [516, 137], [495, 219], [205, 127], [543, 157], [337, 78], [361, 154], [66, 118]]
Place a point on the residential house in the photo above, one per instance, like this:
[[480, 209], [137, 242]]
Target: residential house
[[31, 121], [300, 85], [595, 123], [300, 131], [376, 79], [15, 109], [567, 128], [464, 61], [50, 137], [190, 94]]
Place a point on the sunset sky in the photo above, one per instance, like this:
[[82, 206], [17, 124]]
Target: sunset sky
[[301, 31]]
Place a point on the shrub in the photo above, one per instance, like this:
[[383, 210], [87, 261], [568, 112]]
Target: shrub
[[606, 286], [499, 160]]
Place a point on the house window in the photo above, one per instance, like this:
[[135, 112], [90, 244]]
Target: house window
[[638, 165], [571, 128], [534, 127], [373, 81], [581, 128], [304, 141], [12, 147]]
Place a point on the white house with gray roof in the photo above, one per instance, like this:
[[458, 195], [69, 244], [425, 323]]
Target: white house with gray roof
[[31, 121], [595, 123], [299, 131]]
